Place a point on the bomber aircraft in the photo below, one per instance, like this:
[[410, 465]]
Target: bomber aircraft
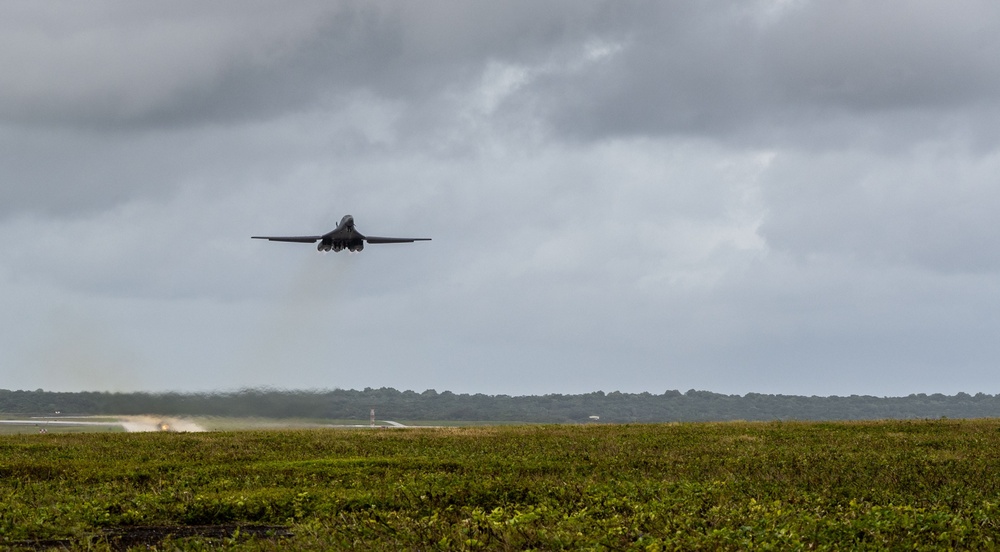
[[344, 236]]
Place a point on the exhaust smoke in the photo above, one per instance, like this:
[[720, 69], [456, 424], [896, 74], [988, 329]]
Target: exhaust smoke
[[299, 323]]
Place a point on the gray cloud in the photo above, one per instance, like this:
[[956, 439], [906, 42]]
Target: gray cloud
[[675, 67], [767, 196], [122, 65], [757, 72], [930, 208], [111, 64]]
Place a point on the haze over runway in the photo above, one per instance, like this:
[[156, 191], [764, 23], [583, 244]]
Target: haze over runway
[[786, 196]]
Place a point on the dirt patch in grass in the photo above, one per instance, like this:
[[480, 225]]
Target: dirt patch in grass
[[123, 538]]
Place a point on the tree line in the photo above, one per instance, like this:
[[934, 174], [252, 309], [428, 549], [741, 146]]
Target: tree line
[[430, 405]]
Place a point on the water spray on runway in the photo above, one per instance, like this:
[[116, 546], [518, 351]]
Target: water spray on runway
[[134, 424]]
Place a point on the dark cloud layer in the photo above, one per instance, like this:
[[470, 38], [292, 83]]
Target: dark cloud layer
[[766, 71], [675, 67]]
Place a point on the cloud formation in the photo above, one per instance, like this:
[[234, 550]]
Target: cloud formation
[[788, 197]]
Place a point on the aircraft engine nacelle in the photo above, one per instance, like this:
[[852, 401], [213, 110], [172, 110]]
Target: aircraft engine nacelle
[[338, 247], [358, 247]]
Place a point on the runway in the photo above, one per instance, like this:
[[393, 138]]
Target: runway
[[136, 424], [131, 424]]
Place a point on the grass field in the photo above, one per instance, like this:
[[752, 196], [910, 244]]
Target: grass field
[[919, 484]]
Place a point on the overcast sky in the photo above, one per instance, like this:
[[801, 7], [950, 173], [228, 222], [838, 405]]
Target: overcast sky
[[787, 196]]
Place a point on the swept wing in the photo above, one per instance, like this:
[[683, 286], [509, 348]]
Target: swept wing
[[377, 239], [297, 239]]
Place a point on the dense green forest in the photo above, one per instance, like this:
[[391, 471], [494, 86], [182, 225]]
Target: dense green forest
[[391, 404]]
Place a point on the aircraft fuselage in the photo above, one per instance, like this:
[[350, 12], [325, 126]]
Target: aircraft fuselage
[[344, 236]]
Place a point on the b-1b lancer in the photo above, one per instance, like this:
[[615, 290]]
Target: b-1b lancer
[[344, 236]]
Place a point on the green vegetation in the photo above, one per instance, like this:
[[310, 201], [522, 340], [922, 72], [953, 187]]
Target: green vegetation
[[864, 485], [616, 407]]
